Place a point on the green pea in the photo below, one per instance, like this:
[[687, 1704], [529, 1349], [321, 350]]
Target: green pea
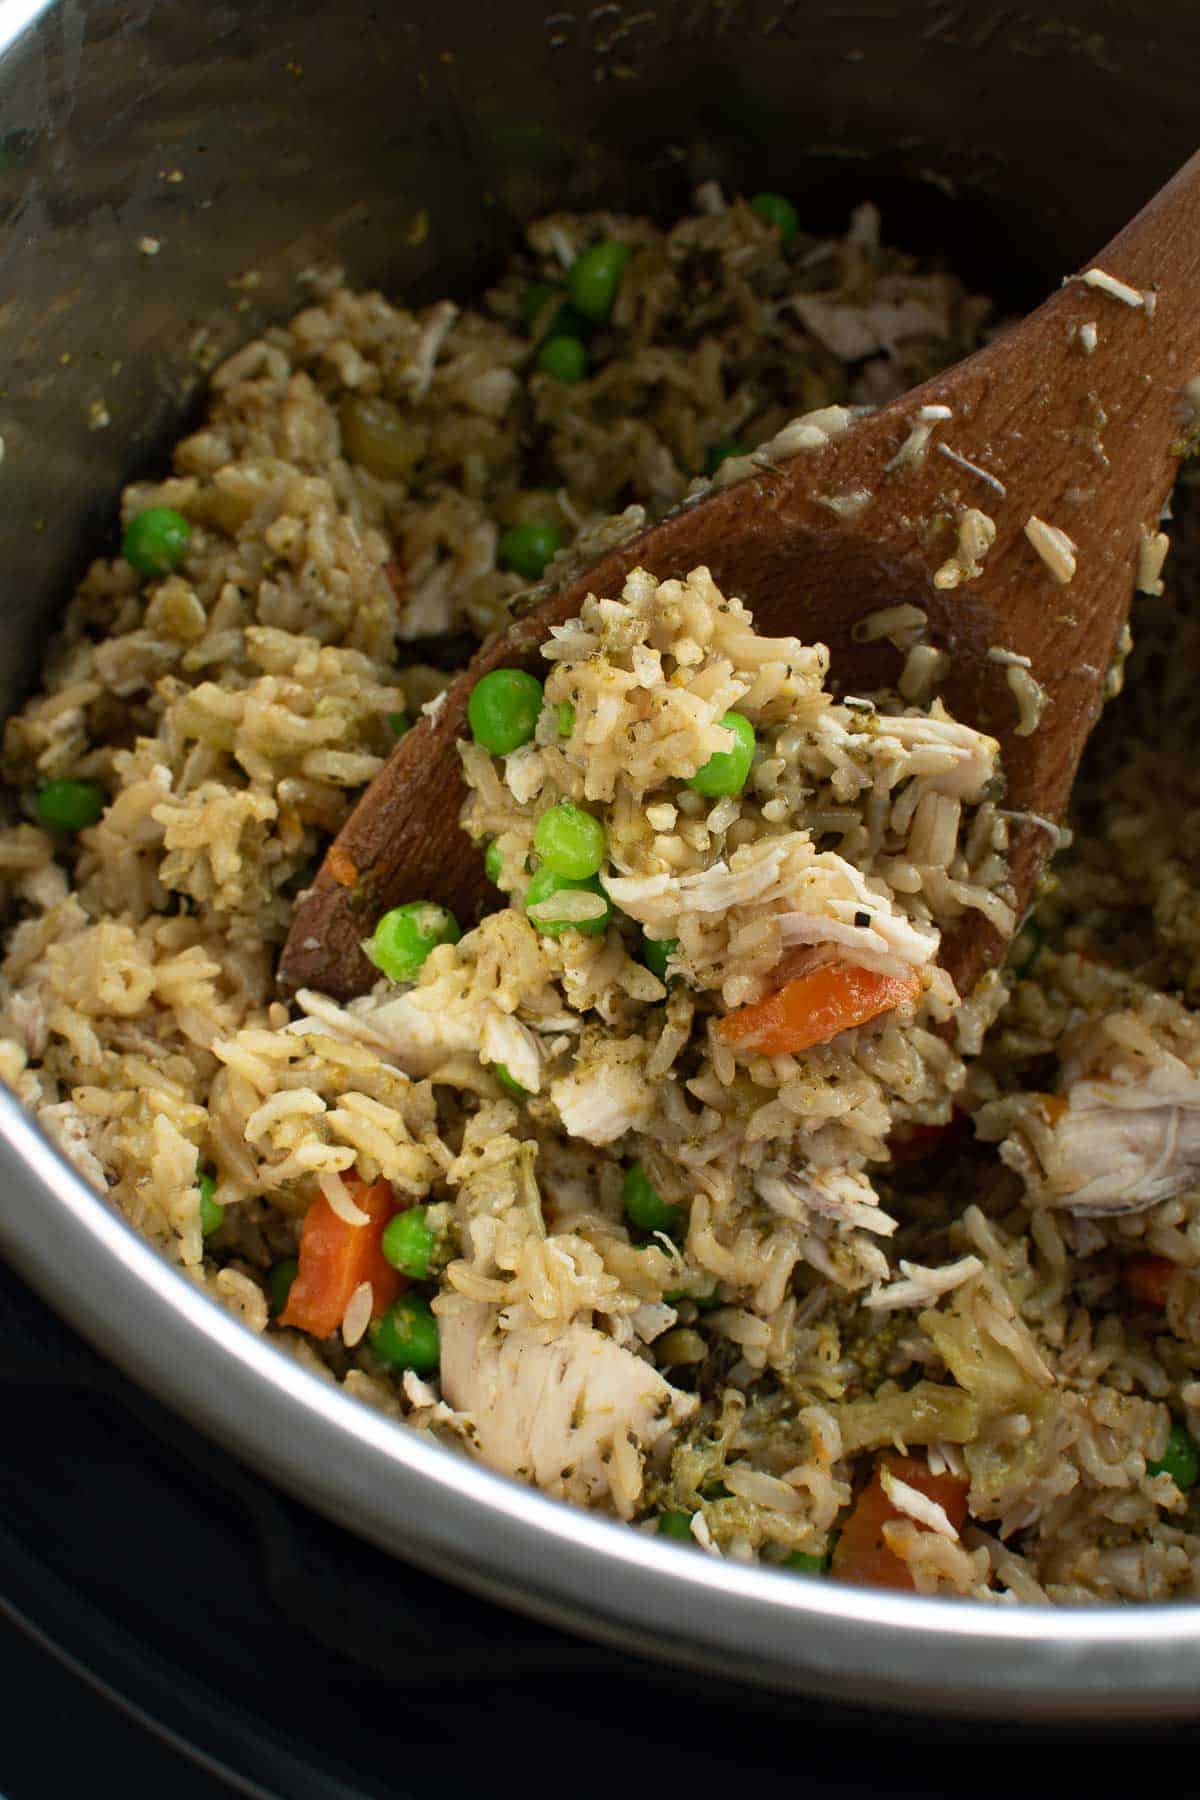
[[701, 1302], [212, 1216], [570, 841], [656, 952], [545, 883], [509, 1082], [503, 710], [526, 549], [409, 1242], [804, 1562], [156, 541], [726, 771], [721, 453], [279, 1284], [399, 722], [1180, 1460], [565, 321], [565, 358], [406, 1336], [538, 296], [595, 276], [404, 937], [69, 806], [676, 1525], [493, 863], [777, 210], [645, 1206], [569, 322], [564, 719]]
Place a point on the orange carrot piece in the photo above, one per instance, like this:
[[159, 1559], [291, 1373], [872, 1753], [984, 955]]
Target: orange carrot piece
[[1147, 1278], [815, 1007], [862, 1555], [335, 1258]]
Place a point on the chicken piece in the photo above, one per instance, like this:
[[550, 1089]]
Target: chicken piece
[[756, 875], [819, 897], [1114, 1147], [843, 1195], [417, 373], [73, 1133], [506, 1040], [575, 1417], [1124, 1132], [607, 1093], [953, 758], [853, 332], [886, 943], [416, 1038]]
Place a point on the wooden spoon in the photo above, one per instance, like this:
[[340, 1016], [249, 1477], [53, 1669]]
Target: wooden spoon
[[1077, 417]]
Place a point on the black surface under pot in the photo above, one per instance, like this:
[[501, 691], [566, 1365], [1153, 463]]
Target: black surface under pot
[[166, 172]]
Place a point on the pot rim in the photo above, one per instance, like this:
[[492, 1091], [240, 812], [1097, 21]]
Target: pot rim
[[457, 1519]]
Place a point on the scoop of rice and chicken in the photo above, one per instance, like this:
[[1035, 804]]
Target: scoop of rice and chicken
[[686, 1187]]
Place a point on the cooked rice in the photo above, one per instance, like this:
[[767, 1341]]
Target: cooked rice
[[831, 1296], [1055, 548]]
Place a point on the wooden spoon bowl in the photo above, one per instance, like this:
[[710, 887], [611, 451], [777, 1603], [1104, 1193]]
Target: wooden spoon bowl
[[1077, 417]]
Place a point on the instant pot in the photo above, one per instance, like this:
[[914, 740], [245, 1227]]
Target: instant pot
[[167, 172]]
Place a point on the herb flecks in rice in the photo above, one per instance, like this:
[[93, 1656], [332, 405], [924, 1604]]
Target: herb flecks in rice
[[346, 496]]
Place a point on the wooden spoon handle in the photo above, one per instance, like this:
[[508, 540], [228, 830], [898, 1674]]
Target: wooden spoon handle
[[1041, 421], [1159, 250]]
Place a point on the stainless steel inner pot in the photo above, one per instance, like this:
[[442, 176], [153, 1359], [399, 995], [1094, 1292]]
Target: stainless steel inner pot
[[409, 142]]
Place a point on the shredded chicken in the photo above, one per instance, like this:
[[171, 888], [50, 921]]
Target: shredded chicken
[[605, 1095], [1124, 1133], [576, 1416], [66, 1126], [819, 898], [1119, 1148], [418, 373], [856, 331], [962, 760], [863, 919], [417, 1039], [505, 1040], [844, 1195]]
